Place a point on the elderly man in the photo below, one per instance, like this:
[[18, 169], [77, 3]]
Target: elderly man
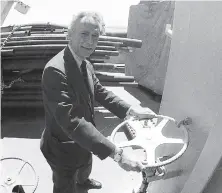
[[69, 88]]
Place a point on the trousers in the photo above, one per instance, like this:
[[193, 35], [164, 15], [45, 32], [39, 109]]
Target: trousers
[[69, 164], [64, 181]]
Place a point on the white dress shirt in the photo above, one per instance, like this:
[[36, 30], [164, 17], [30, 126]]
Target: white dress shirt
[[77, 58]]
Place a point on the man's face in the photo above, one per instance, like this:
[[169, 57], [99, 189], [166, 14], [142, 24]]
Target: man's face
[[84, 38]]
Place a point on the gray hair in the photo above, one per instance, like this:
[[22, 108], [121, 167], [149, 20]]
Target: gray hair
[[94, 15]]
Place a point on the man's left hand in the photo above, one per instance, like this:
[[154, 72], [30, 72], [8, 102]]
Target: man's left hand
[[142, 112]]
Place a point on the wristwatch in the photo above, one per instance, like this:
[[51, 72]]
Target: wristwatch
[[118, 155]]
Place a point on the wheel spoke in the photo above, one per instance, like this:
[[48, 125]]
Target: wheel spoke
[[162, 124], [150, 154], [21, 168]]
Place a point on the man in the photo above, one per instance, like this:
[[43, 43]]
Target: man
[[69, 88]]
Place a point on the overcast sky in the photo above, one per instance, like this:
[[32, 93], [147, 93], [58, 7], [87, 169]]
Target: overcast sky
[[115, 12]]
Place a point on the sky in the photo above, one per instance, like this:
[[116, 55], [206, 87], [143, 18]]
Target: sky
[[114, 12]]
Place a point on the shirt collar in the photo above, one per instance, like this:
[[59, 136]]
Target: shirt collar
[[77, 58]]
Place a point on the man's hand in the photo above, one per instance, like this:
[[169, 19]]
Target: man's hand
[[141, 112], [130, 164], [127, 162]]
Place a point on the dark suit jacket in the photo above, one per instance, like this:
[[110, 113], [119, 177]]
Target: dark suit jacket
[[69, 112]]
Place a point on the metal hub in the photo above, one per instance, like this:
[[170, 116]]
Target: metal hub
[[9, 181]]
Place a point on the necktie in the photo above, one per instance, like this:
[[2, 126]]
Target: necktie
[[84, 74], [85, 78]]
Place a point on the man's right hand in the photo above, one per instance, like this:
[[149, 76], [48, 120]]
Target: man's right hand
[[126, 161], [130, 164]]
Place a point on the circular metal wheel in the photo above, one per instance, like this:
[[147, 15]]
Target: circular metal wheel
[[148, 136], [17, 175]]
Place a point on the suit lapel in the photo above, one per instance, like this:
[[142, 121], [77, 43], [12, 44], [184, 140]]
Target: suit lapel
[[74, 75]]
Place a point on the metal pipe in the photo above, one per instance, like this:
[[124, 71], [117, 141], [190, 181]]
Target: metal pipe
[[29, 28], [44, 52], [47, 32], [7, 29], [10, 58], [23, 28], [116, 34], [110, 43], [52, 46], [114, 70], [105, 52], [96, 60], [110, 48], [37, 42], [126, 41], [36, 38], [52, 29], [114, 78], [36, 47], [16, 33], [108, 65], [7, 52], [50, 35], [45, 25], [94, 57], [109, 68], [121, 84]]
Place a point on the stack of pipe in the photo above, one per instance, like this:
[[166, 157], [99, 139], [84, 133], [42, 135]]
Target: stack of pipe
[[31, 46]]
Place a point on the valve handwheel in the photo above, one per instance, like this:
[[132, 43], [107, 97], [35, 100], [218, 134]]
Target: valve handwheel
[[147, 134], [15, 172]]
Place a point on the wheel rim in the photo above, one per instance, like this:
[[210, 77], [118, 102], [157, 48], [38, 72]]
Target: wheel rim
[[161, 125]]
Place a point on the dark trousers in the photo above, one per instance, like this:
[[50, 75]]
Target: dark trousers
[[64, 180], [69, 163]]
